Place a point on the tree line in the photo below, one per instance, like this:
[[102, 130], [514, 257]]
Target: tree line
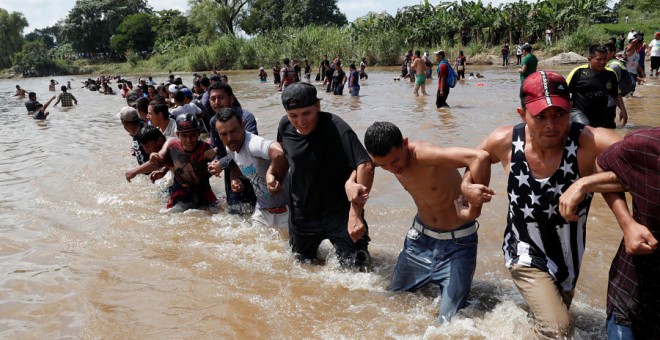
[[206, 34]]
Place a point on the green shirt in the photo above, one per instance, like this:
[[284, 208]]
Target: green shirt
[[530, 61]]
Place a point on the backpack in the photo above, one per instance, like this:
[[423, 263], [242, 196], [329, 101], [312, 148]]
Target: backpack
[[625, 82], [452, 78]]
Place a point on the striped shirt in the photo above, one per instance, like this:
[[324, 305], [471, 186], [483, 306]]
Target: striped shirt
[[536, 235], [633, 292]]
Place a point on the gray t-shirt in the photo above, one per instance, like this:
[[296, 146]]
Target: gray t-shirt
[[187, 108], [253, 160]]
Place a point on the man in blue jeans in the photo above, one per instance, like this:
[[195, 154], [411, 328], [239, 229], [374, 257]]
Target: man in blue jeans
[[441, 246]]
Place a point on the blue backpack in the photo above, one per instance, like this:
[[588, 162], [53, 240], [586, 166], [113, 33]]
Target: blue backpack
[[452, 78]]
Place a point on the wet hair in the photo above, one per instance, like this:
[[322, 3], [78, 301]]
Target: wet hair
[[142, 104], [218, 85], [227, 113], [381, 137], [149, 133], [32, 95], [205, 81], [286, 61], [593, 49], [418, 53], [161, 108], [352, 66], [63, 88]]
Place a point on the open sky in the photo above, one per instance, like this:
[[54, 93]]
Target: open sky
[[43, 13]]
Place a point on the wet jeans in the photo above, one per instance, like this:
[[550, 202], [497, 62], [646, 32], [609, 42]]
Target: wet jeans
[[448, 263], [616, 331]]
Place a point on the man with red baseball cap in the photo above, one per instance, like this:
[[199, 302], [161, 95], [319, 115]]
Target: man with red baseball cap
[[543, 156]]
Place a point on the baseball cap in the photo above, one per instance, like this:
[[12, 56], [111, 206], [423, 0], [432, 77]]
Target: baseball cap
[[544, 89], [132, 97], [186, 122], [129, 114], [186, 92], [299, 95], [171, 88]]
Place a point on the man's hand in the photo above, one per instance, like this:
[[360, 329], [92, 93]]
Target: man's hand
[[356, 193], [158, 174], [477, 194], [215, 168], [623, 117], [356, 228], [569, 201], [237, 185], [130, 174], [273, 185], [464, 210], [638, 239], [156, 158]]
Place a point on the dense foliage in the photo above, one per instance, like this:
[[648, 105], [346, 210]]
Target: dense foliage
[[234, 34]]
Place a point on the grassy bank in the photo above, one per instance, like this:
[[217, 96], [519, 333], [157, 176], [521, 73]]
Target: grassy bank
[[380, 49]]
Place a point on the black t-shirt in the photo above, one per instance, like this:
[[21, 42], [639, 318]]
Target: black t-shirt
[[590, 91], [32, 105], [329, 72], [320, 163]]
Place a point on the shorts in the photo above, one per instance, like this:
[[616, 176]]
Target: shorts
[[549, 304], [655, 63], [449, 263], [277, 220], [305, 243], [420, 79]]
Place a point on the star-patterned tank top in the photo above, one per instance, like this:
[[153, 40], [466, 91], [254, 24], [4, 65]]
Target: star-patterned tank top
[[536, 234]]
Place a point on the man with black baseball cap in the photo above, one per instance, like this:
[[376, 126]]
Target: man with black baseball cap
[[327, 164], [543, 157]]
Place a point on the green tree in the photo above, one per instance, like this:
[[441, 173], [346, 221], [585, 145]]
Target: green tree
[[214, 17], [270, 15], [11, 35], [91, 23], [34, 56], [134, 33], [37, 34]]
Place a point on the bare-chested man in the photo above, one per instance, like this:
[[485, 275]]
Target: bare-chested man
[[441, 246], [419, 65], [20, 93]]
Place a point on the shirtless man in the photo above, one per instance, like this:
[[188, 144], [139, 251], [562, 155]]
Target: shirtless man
[[420, 68], [441, 245], [20, 93]]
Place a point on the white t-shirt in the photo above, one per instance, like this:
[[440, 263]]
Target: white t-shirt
[[253, 160], [170, 130], [655, 48], [631, 35]]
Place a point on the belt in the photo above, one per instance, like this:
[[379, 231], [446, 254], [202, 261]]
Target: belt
[[277, 210], [446, 235]]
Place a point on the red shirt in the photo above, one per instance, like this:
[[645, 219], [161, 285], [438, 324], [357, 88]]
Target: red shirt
[[443, 71]]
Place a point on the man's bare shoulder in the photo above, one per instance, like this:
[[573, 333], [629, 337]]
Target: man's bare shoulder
[[499, 136], [598, 139]]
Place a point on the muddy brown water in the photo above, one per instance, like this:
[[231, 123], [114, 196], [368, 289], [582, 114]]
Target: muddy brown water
[[85, 254]]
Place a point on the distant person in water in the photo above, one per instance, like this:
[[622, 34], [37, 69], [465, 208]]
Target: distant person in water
[[51, 85], [66, 98], [263, 76], [20, 93], [37, 109]]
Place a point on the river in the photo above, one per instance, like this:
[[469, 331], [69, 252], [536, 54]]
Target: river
[[86, 254]]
